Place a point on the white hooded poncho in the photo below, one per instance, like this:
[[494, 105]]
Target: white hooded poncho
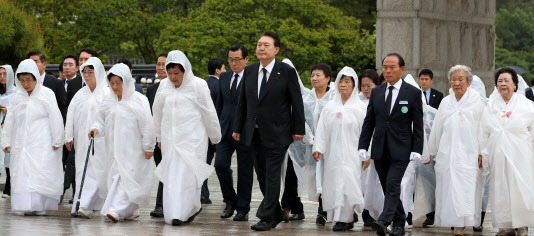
[[32, 127], [80, 116], [184, 119], [5, 98], [507, 147], [129, 132], [338, 130], [459, 182]]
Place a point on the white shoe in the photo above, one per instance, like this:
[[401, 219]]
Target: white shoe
[[113, 216], [5, 195], [85, 214], [135, 215], [40, 213], [523, 231]]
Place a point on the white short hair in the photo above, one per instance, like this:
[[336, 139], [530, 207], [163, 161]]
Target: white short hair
[[466, 69]]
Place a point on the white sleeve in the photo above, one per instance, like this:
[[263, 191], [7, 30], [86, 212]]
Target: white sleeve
[[209, 114], [157, 111], [321, 134], [147, 126], [7, 130], [435, 134], [69, 124], [55, 120], [99, 122]]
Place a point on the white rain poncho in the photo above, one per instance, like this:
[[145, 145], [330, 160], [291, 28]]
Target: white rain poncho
[[80, 117], [478, 86], [129, 132], [507, 146], [32, 127], [338, 130], [459, 181], [184, 119], [5, 98]]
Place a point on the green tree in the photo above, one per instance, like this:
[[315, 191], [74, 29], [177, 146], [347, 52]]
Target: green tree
[[310, 30], [19, 33], [365, 10]]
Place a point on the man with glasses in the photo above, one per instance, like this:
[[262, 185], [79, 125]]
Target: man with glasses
[[227, 101]]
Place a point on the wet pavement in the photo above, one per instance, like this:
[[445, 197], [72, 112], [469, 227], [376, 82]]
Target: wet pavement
[[207, 223]]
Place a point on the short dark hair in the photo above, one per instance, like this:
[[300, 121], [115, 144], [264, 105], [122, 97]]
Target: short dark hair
[[126, 62], [381, 79], [508, 70], [327, 71], [19, 74], [214, 64], [401, 60], [237, 47], [41, 55], [173, 65], [351, 78], [90, 67], [163, 54], [73, 57], [371, 74], [61, 66], [90, 51], [111, 74], [427, 72], [274, 36]]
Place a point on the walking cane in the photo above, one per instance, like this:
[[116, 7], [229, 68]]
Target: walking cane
[[91, 147]]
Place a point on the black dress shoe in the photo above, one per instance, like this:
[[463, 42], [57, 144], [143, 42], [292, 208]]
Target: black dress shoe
[[380, 227], [320, 219], [397, 231], [261, 226], [193, 216], [409, 218], [71, 201], [241, 216], [429, 222], [157, 212], [205, 200], [480, 228], [341, 226], [367, 219], [285, 217], [228, 211], [355, 217], [177, 222], [294, 217]]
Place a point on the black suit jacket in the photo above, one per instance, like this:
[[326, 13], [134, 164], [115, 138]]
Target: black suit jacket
[[58, 88], [227, 103], [397, 127], [529, 94], [278, 113], [435, 98], [213, 85], [151, 93], [75, 84]]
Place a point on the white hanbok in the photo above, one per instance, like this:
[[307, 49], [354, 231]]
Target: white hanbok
[[33, 126], [4, 101], [80, 116], [507, 146], [459, 181], [128, 129], [184, 119], [337, 132]]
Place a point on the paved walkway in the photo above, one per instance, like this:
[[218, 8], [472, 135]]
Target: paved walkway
[[207, 223]]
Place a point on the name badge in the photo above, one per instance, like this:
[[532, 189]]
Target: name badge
[[403, 102]]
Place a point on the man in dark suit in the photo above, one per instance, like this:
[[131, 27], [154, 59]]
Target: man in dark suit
[[529, 92], [50, 81], [433, 97], [270, 115], [395, 116], [215, 68], [227, 101], [151, 95]]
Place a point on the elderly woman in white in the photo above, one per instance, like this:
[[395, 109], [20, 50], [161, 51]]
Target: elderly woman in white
[[338, 130], [184, 119], [507, 147], [459, 181], [33, 134], [80, 116], [124, 118]]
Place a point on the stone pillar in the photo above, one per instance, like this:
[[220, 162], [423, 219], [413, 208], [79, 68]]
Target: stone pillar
[[438, 34]]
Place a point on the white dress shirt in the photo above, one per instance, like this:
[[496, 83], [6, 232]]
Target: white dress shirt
[[269, 68], [427, 93], [239, 76], [395, 92], [43, 77]]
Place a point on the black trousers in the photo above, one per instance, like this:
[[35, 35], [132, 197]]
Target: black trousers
[[390, 173], [291, 199], [245, 172], [7, 187], [157, 159], [70, 171], [205, 192], [268, 166]]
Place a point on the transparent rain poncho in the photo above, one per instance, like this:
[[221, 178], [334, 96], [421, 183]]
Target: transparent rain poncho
[[10, 91]]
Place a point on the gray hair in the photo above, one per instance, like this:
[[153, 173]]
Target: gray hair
[[466, 69]]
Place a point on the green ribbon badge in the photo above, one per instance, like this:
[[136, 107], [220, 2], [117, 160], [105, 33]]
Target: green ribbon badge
[[404, 109]]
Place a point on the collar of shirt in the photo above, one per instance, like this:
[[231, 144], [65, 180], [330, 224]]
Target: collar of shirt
[[396, 85], [215, 77], [269, 67], [240, 76], [43, 78]]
